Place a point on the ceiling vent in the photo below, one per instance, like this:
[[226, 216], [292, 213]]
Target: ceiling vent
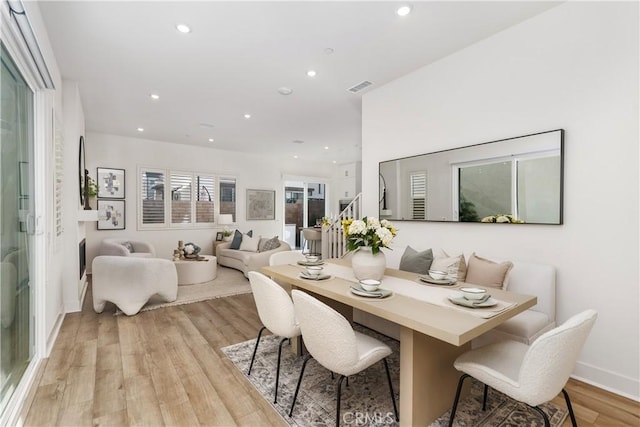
[[360, 86]]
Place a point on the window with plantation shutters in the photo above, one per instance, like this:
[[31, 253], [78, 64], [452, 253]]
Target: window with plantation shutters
[[59, 164], [152, 197], [205, 199], [181, 196], [418, 196], [180, 199]]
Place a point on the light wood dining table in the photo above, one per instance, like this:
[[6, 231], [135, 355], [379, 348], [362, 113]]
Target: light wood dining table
[[432, 336]]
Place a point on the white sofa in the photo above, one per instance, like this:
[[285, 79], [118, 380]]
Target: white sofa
[[116, 247], [524, 278], [129, 282], [246, 261]]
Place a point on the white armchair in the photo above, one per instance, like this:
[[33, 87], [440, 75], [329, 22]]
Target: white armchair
[[118, 247], [129, 282], [531, 374]]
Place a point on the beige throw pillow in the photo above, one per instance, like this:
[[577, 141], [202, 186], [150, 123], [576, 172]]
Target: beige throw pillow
[[449, 264], [485, 272], [249, 244]]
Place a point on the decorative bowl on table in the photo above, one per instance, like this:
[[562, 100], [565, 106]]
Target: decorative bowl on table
[[473, 293], [438, 275], [313, 270], [370, 285], [312, 258]]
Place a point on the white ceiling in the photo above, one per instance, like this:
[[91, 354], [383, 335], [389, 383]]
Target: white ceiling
[[239, 53]]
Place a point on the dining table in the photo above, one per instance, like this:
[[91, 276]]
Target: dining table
[[433, 330]]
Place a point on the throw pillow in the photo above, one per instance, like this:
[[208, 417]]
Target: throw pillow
[[485, 272], [237, 239], [416, 262], [450, 264], [128, 245], [249, 244], [270, 244]]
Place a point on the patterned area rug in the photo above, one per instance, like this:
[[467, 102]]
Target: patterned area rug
[[366, 400]]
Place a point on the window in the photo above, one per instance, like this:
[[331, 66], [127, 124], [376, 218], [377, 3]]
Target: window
[[190, 198], [418, 196]]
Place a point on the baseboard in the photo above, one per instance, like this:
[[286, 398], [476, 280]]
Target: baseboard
[[607, 380], [16, 411], [51, 340]]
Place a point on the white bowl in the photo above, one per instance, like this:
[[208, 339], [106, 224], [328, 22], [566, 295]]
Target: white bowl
[[438, 275], [473, 293], [314, 270], [370, 285], [312, 258]]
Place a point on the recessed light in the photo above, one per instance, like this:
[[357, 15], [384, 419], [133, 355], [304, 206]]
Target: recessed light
[[210, 139], [140, 129], [334, 162], [247, 116], [183, 28], [404, 10], [311, 73], [154, 96], [326, 147], [285, 90], [295, 156]]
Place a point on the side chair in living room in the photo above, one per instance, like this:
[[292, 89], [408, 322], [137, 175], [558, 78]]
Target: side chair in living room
[[532, 374], [277, 314], [332, 342]]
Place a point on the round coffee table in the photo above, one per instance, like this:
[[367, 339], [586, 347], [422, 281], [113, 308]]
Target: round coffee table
[[191, 272]]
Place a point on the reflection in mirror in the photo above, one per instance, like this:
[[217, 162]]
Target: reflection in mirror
[[516, 180]]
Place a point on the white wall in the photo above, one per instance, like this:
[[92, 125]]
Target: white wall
[[251, 172], [573, 67]]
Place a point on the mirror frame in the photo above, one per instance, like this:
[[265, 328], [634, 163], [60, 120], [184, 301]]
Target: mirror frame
[[383, 191], [82, 161]]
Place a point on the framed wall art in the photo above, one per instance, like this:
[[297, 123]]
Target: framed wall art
[[261, 204], [110, 183], [111, 215]]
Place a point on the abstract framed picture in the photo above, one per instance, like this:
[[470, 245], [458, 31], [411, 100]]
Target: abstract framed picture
[[110, 183], [261, 204], [111, 215]]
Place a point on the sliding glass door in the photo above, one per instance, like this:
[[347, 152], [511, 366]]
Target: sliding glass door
[[16, 226]]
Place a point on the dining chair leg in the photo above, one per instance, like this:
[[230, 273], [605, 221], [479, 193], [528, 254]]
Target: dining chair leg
[[295, 395], [393, 397], [256, 349], [544, 416], [484, 398], [455, 401], [275, 394], [342, 377], [570, 408]]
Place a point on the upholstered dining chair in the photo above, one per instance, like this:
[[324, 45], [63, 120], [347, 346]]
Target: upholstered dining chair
[[277, 314], [531, 374], [286, 257], [332, 342]]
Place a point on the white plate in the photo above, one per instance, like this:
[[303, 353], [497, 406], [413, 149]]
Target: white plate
[[429, 279], [380, 293], [318, 277], [490, 302], [308, 263]]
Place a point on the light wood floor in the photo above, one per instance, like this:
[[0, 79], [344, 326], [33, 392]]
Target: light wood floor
[[165, 367]]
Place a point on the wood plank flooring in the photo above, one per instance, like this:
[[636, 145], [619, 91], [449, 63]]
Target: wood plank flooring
[[165, 367]]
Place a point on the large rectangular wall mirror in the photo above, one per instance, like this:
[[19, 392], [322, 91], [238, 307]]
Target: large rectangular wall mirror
[[517, 180]]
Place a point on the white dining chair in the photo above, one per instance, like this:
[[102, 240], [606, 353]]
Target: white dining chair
[[277, 314], [531, 374], [286, 257], [332, 342]]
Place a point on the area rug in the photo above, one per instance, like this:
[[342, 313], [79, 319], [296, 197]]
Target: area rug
[[366, 400], [228, 282]]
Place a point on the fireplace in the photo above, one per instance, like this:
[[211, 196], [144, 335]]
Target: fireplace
[[82, 254]]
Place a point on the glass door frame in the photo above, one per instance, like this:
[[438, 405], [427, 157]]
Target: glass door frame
[[40, 227], [305, 180]]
